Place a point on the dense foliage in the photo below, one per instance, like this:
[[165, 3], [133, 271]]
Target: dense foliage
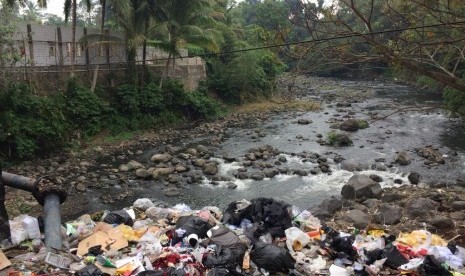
[[37, 125]]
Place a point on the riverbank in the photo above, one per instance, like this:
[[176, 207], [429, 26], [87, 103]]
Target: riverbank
[[278, 152]]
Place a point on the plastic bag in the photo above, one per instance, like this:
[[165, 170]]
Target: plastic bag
[[271, 257], [91, 270], [119, 217], [307, 221], [150, 244], [296, 239]]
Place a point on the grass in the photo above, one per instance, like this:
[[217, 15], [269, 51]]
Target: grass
[[277, 105]]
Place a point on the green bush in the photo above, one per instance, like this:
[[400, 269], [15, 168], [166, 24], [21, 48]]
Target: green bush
[[338, 139], [85, 110], [30, 124], [454, 101], [200, 105], [127, 99], [151, 99]]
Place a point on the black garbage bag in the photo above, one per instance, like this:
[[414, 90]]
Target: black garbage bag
[[342, 248], [394, 258], [169, 271], [237, 211], [228, 257], [191, 225], [431, 266], [95, 250], [221, 236], [223, 272], [271, 257], [91, 270], [118, 217], [269, 215]]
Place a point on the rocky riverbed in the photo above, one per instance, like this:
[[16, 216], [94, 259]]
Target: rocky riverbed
[[396, 136]]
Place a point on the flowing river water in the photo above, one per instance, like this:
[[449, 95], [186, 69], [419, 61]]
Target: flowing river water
[[401, 118]]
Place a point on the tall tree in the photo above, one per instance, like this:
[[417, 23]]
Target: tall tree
[[187, 22], [71, 7], [424, 37]]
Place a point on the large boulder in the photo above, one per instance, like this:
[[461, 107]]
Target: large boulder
[[134, 165], [357, 217], [327, 208], [161, 172], [420, 207], [361, 186], [210, 168], [414, 177], [403, 158], [161, 158], [353, 125], [388, 214], [352, 166]]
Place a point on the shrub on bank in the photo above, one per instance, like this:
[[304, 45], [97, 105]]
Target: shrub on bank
[[33, 125]]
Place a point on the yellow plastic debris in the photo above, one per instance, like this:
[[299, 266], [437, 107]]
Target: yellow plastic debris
[[421, 238], [376, 232]]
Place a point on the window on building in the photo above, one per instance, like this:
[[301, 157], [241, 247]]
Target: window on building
[[68, 48], [51, 49], [101, 51], [79, 49]]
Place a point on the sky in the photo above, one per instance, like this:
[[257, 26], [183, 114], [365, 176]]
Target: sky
[[56, 6]]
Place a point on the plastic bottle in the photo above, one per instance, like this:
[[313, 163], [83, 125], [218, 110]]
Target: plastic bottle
[[31, 225], [296, 239]]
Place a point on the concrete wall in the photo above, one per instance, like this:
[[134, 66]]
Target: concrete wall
[[46, 51]]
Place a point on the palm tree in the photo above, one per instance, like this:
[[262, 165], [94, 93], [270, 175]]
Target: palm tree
[[67, 10], [32, 12], [187, 22], [41, 3]]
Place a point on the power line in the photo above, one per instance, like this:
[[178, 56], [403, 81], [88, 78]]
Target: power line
[[291, 43], [322, 40]]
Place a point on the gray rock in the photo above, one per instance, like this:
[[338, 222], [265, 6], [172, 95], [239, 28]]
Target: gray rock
[[161, 158], [81, 178], [123, 168], [143, 173], [361, 186], [357, 217], [414, 177], [143, 204], [376, 178], [328, 207], [192, 151], [184, 156], [180, 168], [271, 173], [161, 172], [282, 159], [340, 140], [257, 176], [134, 165], [231, 185], [250, 156], [403, 158], [172, 191], [371, 203], [419, 207], [203, 149], [458, 205], [304, 121], [200, 162], [351, 166], [457, 215], [301, 172], [349, 125], [388, 214], [391, 197], [228, 158], [380, 167], [210, 168], [81, 187], [441, 222]]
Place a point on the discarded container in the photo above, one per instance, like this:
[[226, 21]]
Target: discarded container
[[58, 260], [31, 225], [17, 232], [296, 239]]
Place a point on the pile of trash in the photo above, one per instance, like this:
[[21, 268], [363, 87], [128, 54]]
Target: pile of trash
[[260, 236]]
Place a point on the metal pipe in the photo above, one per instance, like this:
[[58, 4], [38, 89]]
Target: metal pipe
[[52, 222], [18, 182]]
